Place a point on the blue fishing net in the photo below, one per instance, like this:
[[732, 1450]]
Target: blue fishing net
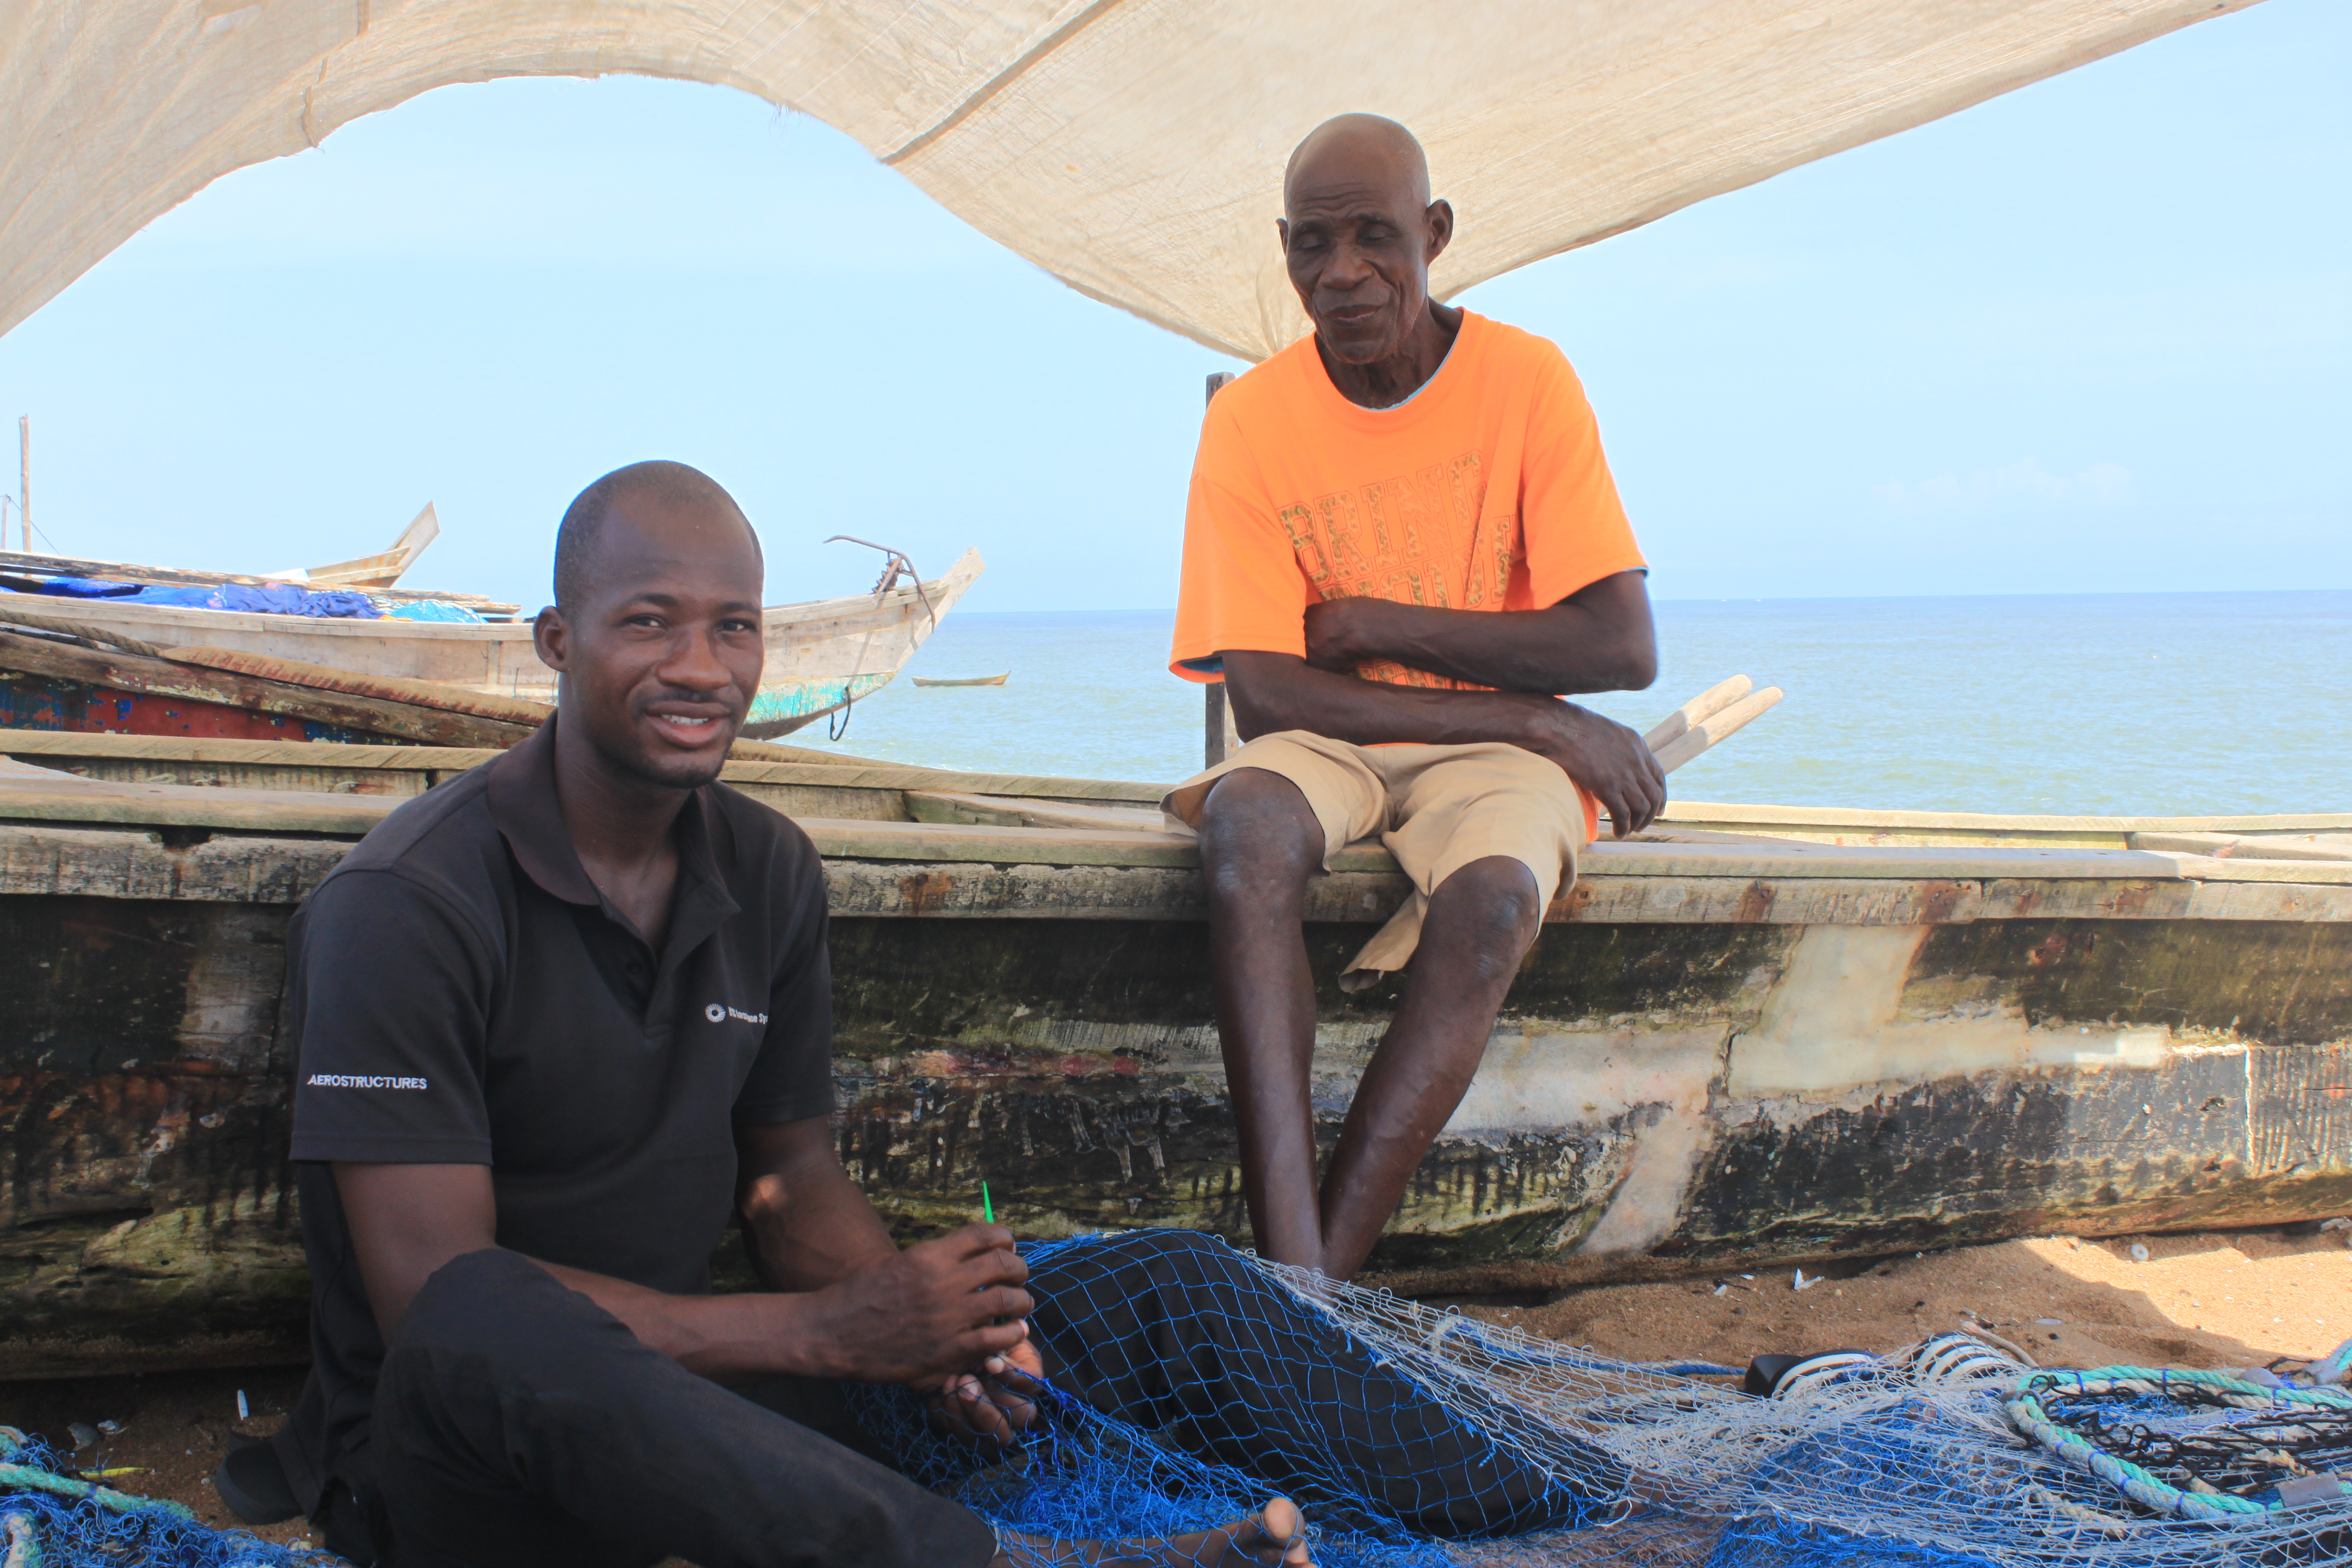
[[1905, 1462], [1190, 1382], [50, 1518], [274, 599], [431, 610]]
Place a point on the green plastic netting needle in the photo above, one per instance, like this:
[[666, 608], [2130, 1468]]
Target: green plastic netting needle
[[987, 1209]]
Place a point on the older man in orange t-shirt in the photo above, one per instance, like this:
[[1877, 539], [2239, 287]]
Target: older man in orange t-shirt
[[1403, 547]]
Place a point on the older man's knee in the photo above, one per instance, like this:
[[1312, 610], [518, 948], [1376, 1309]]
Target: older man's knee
[[1259, 820], [1496, 899]]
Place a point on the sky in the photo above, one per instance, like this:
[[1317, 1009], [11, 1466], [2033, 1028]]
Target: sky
[[2091, 336]]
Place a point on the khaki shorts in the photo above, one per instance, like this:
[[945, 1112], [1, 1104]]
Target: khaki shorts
[[1436, 808]]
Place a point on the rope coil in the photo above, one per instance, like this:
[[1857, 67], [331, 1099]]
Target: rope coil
[[2030, 1410]]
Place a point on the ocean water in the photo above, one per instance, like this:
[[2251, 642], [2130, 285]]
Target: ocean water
[[2117, 703]]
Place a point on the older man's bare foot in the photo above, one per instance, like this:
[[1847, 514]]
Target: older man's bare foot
[[1274, 1538]]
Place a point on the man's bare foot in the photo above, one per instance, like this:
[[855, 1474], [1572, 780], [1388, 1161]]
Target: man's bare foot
[[1276, 1536]]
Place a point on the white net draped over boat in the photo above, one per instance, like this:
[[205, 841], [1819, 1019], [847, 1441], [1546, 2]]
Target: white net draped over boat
[[1133, 148]]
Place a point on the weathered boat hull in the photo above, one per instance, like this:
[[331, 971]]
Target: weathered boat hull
[[29, 701], [1712, 1058], [821, 657], [1657, 1097]]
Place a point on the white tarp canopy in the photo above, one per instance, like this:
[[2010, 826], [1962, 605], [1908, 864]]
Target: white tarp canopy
[[1133, 148]]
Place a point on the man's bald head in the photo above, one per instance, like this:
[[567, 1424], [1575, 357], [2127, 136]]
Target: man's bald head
[[656, 629], [1358, 231], [669, 486], [1358, 148]]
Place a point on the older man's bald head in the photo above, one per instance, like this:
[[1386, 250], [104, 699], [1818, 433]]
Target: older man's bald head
[[1358, 231], [1351, 148]]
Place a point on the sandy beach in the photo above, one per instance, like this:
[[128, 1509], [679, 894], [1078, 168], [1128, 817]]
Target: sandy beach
[[2230, 1298], [2224, 1299]]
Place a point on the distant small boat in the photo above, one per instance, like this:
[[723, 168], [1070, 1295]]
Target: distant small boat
[[975, 680]]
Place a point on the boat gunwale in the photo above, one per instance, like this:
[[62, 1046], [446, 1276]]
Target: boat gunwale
[[883, 773], [1869, 817], [811, 768], [134, 807], [114, 860]]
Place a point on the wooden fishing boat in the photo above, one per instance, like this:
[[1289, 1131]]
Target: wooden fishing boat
[[1759, 1034], [972, 680], [821, 657], [378, 576]]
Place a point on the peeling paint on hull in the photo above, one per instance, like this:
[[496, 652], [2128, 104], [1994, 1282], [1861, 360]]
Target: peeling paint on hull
[[1660, 1096]]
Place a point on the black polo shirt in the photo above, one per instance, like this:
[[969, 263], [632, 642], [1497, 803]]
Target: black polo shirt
[[459, 992]]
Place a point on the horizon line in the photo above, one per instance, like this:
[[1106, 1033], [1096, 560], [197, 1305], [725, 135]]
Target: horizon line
[[1825, 598]]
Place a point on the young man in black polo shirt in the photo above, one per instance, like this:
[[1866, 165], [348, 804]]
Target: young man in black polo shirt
[[558, 1022]]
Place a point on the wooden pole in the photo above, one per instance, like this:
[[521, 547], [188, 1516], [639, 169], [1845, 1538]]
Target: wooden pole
[[1219, 738], [1699, 708], [25, 477], [1715, 727]]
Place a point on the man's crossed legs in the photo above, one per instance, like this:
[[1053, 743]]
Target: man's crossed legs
[[517, 1422]]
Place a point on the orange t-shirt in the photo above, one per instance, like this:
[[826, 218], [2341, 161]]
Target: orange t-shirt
[[1485, 490]]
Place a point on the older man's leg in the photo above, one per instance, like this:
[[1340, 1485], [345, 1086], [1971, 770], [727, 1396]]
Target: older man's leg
[[1481, 922], [1259, 844]]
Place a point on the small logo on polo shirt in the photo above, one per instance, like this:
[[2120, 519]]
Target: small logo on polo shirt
[[719, 1015], [348, 1080]]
